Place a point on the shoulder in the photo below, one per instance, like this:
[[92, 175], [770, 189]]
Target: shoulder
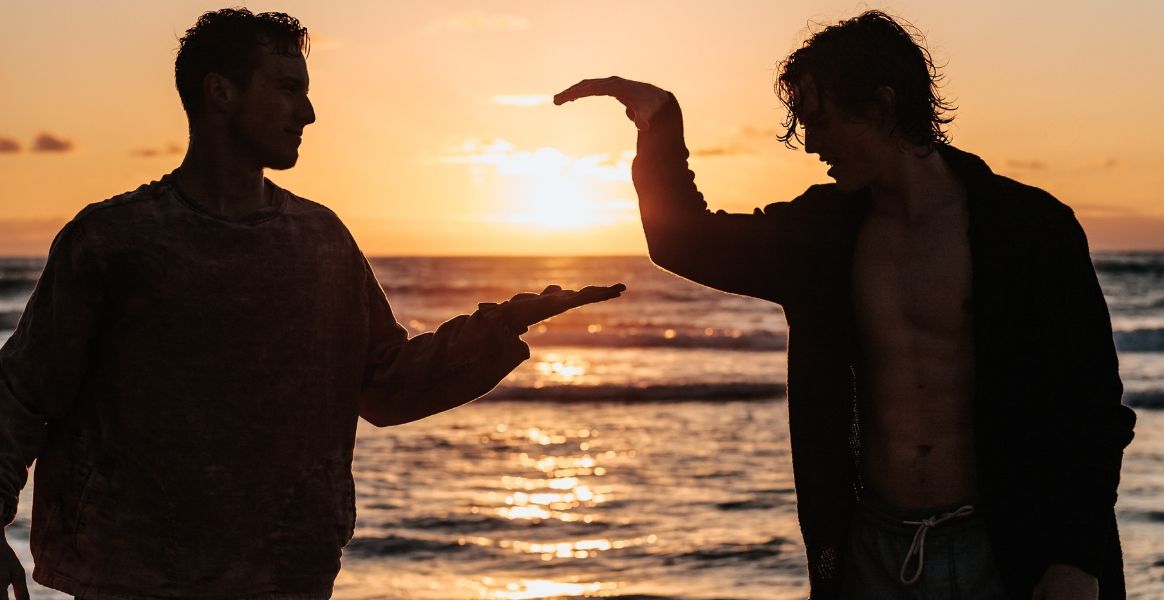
[[1035, 213], [822, 205], [1022, 214], [316, 220], [108, 219], [126, 202], [824, 197], [303, 209], [1002, 195]]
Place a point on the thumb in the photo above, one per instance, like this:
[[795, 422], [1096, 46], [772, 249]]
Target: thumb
[[640, 122]]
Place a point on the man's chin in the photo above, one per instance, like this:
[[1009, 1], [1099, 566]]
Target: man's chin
[[283, 164], [847, 185]]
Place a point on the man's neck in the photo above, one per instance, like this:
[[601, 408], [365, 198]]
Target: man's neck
[[917, 186], [219, 183]]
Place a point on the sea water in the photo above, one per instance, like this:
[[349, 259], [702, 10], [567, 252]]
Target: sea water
[[642, 451]]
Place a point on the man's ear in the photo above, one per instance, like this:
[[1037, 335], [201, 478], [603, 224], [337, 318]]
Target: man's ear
[[885, 106], [220, 93]]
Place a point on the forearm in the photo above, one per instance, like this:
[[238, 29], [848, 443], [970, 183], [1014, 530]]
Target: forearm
[[433, 372], [670, 204]]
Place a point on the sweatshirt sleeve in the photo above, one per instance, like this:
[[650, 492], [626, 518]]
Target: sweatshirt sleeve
[[409, 379], [765, 253], [43, 363]]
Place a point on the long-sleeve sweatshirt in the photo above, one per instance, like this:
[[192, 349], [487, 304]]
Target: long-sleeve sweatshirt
[[189, 387]]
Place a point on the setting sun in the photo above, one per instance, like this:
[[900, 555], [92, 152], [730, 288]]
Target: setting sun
[[564, 202]]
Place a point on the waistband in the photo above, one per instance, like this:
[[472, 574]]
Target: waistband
[[875, 510]]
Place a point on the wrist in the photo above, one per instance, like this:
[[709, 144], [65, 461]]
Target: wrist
[[502, 315]]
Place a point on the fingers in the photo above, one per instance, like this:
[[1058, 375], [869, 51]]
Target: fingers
[[588, 87], [596, 293], [528, 308]]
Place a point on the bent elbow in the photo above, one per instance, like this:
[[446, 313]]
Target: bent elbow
[[380, 413]]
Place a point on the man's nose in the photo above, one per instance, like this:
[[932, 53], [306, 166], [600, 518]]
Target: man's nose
[[811, 145], [307, 111]]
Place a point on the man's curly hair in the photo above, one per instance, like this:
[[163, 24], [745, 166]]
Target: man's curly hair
[[228, 42], [850, 61]]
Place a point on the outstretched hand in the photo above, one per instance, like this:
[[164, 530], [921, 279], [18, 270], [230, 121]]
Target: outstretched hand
[[528, 308], [642, 100], [11, 572]]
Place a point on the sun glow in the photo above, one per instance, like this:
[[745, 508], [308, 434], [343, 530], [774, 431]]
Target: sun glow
[[564, 203], [530, 589]]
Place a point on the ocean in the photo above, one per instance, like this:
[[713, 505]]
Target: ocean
[[642, 452]]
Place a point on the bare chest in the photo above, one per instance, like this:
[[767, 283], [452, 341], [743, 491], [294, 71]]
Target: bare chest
[[912, 282], [911, 294]]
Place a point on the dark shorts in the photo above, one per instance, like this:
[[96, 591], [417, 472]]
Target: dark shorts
[[888, 557]]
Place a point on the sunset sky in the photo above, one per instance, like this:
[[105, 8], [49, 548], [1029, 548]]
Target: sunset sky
[[435, 134]]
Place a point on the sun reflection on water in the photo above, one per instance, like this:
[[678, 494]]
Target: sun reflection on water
[[532, 589], [584, 548], [556, 473], [561, 367]]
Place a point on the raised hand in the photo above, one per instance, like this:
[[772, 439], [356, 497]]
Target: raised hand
[[642, 100], [528, 308]]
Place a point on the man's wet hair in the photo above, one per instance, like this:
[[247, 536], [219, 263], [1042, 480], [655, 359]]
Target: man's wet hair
[[228, 42], [850, 61]]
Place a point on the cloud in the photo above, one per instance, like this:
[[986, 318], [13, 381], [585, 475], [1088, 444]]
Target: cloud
[[721, 151], [523, 100], [1026, 165], [760, 132], [1099, 164], [46, 142], [744, 142], [1132, 231], [170, 149], [479, 21], [9, 145], [505, 159]]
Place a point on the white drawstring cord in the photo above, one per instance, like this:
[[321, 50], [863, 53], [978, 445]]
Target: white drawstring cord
[[918, 546]]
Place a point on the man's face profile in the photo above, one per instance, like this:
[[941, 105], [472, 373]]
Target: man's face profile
[[267, 119], [851, 146]]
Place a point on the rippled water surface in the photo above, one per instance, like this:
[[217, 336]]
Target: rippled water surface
[[642, 452], [681, 500]]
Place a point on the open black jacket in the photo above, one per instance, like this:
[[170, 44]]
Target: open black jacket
[[1050, 426]]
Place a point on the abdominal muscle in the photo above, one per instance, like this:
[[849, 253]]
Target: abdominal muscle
[[915, 363], [917, 435]]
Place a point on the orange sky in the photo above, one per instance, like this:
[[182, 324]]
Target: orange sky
[[435, 135]]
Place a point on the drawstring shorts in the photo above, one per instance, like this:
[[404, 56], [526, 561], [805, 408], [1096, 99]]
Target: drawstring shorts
[[894, 553]]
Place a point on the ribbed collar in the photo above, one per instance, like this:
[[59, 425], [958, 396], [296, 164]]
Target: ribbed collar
[[262, 215]]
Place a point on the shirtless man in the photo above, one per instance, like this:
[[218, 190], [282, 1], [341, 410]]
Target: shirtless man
[[954, 400]]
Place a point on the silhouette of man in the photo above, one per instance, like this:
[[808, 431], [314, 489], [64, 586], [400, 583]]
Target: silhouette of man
[[191, 366], [953, 392]]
